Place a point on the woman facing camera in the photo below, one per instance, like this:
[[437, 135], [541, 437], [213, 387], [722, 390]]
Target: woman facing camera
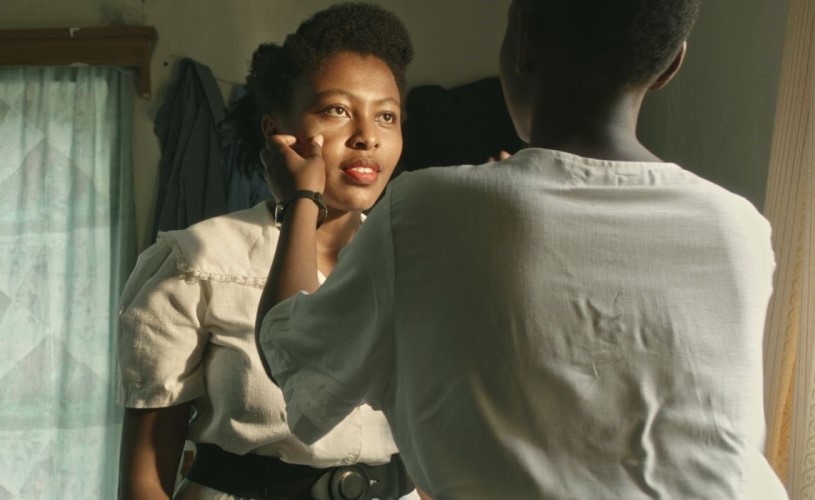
[[188, 362]]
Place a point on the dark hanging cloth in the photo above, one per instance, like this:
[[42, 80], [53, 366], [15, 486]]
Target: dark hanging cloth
[[462, 125], [192, 180], [243, 190]]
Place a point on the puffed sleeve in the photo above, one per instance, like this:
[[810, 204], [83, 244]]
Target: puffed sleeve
[[332, 350], [161, 339]]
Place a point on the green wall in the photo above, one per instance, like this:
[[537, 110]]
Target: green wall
[[716, 117]]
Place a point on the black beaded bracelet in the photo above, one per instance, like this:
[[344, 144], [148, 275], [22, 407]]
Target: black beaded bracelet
[[280, 208]]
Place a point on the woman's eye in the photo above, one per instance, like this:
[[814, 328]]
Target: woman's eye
[[335, 111], [389, 117]]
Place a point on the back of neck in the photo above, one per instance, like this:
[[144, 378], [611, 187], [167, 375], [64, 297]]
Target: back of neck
[[590, 124]]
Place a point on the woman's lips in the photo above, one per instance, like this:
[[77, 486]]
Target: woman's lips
[[363, 172]]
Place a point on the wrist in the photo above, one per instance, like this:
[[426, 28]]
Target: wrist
[[314, 183], [301, 197]]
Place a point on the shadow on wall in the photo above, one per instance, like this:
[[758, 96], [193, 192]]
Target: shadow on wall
[[467, 124]]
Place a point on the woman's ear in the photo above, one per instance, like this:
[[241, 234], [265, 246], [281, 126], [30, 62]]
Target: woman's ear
[[671, 70], [268, 125]]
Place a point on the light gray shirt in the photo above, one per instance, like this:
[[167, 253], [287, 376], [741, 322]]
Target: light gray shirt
[[549, 326]]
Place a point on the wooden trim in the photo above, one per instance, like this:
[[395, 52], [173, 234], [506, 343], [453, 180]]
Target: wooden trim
[[128, 46]]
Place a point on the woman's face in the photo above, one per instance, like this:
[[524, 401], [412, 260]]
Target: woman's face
[[354, 103]]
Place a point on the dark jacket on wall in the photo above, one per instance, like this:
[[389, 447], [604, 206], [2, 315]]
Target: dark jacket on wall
[[192, 182], [466, 124]]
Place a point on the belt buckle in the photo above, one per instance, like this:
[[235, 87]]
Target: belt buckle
[[348, 482]]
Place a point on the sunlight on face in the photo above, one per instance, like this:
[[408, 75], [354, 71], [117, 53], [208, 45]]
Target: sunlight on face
[[354, 102]]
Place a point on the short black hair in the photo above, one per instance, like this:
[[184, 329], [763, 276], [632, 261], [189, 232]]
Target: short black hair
[[617, 42], [361, 28]]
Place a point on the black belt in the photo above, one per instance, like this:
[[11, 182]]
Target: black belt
[[256, 476]]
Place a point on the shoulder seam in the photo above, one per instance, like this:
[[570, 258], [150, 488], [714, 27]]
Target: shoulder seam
[[191, 273]]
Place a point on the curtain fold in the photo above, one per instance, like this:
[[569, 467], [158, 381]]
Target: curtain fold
[[790, 331], [67, 243]]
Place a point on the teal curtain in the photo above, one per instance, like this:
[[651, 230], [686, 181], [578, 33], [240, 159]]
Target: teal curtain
[[66, 247]]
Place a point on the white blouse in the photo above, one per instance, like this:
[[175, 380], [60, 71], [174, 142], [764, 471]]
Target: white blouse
[[186, 333]]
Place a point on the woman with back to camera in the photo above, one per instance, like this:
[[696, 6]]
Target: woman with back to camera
[[186, 331]]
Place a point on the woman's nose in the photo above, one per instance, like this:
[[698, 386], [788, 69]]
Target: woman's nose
[[366, 136]]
